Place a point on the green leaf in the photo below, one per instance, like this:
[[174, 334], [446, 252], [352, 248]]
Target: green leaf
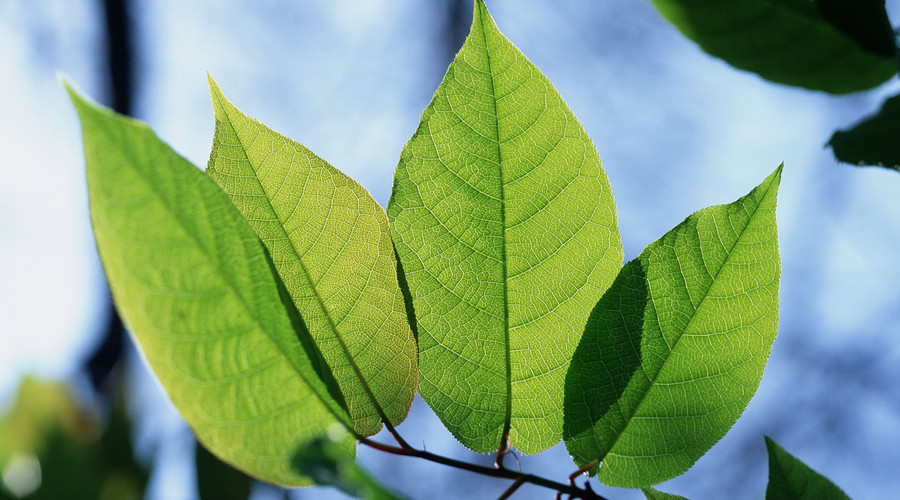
[[506, 227], [675, 349], [785, 41], [791, 479], [873, 141], [654, 494], [323, 461], [331, 244], [195, 286]]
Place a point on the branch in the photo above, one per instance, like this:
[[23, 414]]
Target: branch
[[520, 478]]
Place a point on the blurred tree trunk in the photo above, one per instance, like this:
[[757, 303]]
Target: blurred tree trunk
[[120, 70]]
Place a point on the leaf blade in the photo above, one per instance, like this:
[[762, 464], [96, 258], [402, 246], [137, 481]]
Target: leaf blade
[[675, 349], [784, 41], [505, 224], [330, 242], [791, 479], [195, 287], [873, 141]]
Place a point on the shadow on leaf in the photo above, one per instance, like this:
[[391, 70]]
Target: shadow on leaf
[[604, 362]]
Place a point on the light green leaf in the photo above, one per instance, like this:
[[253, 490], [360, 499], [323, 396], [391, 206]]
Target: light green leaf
[[675, 349], [505, 223], [323, 461], [785, 41], [196, 288], [791, 479], [331, 244], [873, 141], [654, 494]]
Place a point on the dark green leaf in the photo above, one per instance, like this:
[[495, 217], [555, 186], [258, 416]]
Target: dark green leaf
[[791, 479], [785, 41], [873, 141], [217, 480]]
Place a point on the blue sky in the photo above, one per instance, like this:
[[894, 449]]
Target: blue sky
[[676, 130]]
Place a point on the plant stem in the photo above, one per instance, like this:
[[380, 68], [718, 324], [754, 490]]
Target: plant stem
[[520, 478]]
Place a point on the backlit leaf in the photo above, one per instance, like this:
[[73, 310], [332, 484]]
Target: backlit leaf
[[331, 244], [785, 41], [676, 347], [505, 224], [198, 291]]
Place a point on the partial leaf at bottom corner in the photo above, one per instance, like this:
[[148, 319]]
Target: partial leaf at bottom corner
[[323, 461]]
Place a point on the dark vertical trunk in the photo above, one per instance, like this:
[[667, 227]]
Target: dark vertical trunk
[[120, 66], [459, 16]]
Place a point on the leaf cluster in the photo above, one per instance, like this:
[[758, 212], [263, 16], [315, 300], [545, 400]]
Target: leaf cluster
[[289, 316]]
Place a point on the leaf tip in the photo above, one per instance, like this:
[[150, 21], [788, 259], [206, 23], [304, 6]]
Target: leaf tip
[[218, 97], [775, 177], [75, 95], [480, 14]]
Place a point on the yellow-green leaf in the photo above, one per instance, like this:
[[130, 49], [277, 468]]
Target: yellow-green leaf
[[506, 227], [331, 244], [198, 291]]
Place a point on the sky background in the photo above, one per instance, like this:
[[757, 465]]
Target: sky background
[[676, 129]]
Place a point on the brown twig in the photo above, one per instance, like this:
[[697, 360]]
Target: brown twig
[[503, 473]]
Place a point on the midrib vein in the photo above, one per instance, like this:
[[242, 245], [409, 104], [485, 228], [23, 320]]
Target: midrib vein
[[507, 417], [319, 300]]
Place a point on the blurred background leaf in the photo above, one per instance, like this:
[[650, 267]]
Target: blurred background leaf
[[828, 45], [324, 461], [52, 448], [873, 141]]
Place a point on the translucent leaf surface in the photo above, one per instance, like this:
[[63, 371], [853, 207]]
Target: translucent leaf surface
[[675, 349], [785, 41], [196, 288], [791, 479], [505, 224], [331, 244], [873, 141]]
